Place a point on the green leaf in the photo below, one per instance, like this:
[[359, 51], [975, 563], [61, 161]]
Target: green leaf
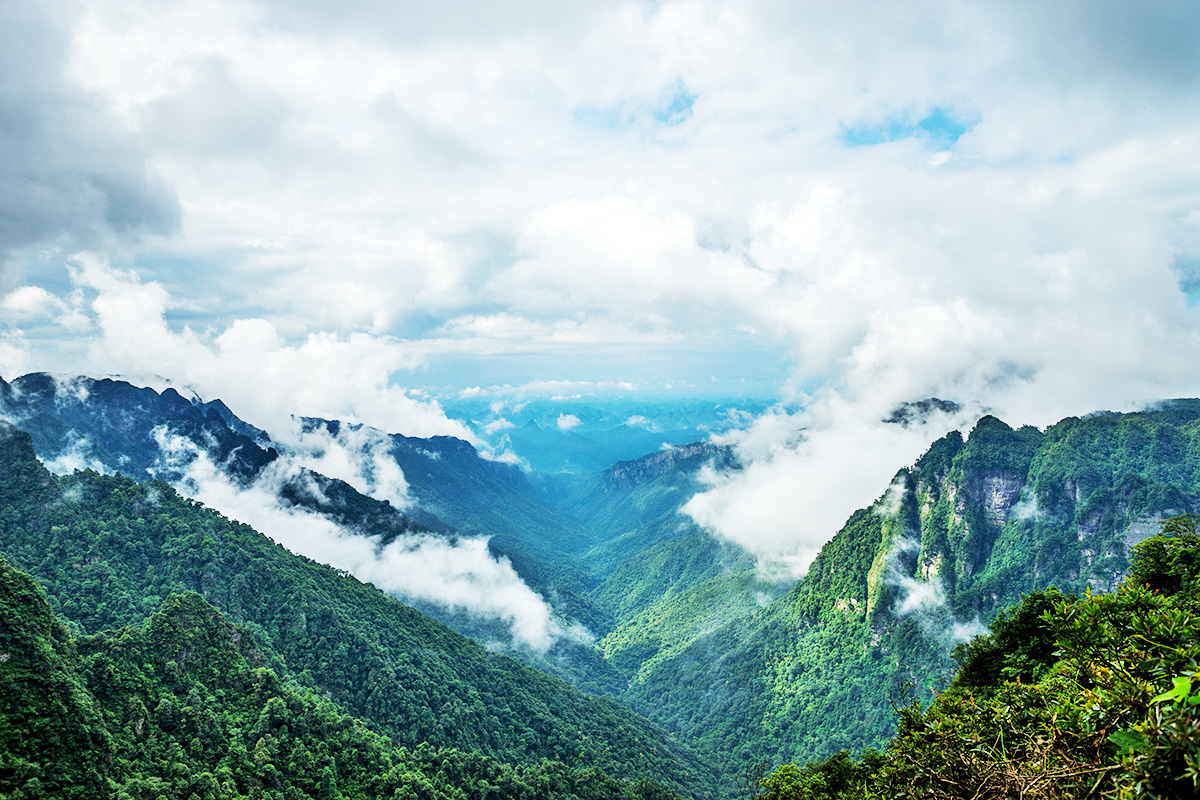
[[1127, 741], [1178, 693]]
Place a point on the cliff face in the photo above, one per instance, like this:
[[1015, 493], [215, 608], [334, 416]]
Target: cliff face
[[1005, 511], [957, 537]]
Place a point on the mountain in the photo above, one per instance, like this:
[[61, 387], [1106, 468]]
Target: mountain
[[186, 705], [110, 552], [959, 536], [113, 426], [665, 581], [1064, 697], [686, 631], [448, 481]]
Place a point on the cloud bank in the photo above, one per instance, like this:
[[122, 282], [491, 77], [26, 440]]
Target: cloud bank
[[315, 210], [460, 574]]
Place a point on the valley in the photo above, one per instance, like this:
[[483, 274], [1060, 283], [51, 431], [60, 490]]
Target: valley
[[517, 622]]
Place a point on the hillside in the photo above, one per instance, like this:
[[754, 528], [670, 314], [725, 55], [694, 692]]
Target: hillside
[[450, 490], [959, 536], [185, 705], [1065, 697], [686, 631], [109, 552], [663, 579]]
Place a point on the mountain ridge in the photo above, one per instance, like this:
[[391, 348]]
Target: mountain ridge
[[108, 550]]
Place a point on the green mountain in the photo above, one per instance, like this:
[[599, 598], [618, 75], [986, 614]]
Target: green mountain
[[185, 705], [663, 579], [687, 633], [1065, 697], [110, 552], [113, 426], [958, 537], [449, 481]]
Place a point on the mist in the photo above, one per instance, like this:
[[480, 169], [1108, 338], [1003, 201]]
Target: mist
[[805, 473], [459, 574]]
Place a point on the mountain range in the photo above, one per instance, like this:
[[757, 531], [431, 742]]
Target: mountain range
[[688, 666]]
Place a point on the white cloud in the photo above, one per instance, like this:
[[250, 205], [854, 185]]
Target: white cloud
[[804, 473], [926, 601], [358, 454], [79, 454], [248, 364], [461, 575], [566, 421], [496, 425], [31, 301], [368, 193], [15, 356]]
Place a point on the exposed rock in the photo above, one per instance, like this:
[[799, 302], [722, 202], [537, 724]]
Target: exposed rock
[[999, 491], [627, 474]]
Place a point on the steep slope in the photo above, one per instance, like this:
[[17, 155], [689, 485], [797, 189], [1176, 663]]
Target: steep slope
[[52, 742], [109, 551], [185, 706], [114, 426], [959, 536], [1065, 697]]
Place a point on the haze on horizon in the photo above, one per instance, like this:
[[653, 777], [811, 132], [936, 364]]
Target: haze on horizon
[[357, 210]]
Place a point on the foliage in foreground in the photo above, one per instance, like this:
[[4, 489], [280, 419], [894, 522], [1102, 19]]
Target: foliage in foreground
[[185, 706], [1111, 710]]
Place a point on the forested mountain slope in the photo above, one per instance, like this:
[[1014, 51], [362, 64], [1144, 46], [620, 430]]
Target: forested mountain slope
[[114, 426], [1065, 697], [185, 705], [959, 536], [663, 579], [110, 551], [686, 630]]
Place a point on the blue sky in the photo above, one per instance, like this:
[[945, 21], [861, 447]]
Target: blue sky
[[336, 209], [939, 129]]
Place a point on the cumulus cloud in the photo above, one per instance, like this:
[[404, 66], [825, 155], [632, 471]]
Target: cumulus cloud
[[72, 172], [994, 206], [459, 574], [566, 421], [803, 473], [496, 425], [248, 364]]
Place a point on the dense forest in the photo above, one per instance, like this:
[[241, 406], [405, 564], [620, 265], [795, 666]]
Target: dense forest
[[1066, 697], [110, 553], [186, 705], [700, 668], [957, 538]]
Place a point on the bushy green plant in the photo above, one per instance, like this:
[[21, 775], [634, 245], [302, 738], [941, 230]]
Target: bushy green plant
[[1114, 712]]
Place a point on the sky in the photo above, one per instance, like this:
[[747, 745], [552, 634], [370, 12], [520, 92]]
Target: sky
[[354, 209]]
